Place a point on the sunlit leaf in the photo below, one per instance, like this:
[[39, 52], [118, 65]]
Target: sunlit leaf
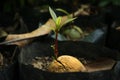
[[52, 13], [58, 22], [67, 21], [62, 10]]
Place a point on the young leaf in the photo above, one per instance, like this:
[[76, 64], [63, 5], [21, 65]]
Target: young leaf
[[69, 20], [62, 10], [58, 22], [52, 13]]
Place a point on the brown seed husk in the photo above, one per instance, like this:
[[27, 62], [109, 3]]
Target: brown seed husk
[[66, 63]]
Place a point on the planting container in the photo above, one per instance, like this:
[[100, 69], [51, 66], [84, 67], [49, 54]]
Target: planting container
[[40, 48], [9, 69]]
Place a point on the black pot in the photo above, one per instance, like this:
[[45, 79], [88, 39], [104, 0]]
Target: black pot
[[113, 21], [79, 49], [113, 38], [10, 70], [97, 36]]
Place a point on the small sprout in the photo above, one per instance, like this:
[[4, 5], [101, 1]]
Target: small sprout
[[59, 25], [63, 63]]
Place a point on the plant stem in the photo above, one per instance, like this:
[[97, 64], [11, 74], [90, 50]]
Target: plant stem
[[56, 44]]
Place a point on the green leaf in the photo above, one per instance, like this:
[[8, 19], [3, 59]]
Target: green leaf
[[62, 10], [69, 20], [116, 2], [53, 15], [78, 29], [58, 22]]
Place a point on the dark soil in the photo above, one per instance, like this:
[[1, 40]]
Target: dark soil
[[42, 63]]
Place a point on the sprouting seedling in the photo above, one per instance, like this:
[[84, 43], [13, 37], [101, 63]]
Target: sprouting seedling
[[58, 26], [65, 12]]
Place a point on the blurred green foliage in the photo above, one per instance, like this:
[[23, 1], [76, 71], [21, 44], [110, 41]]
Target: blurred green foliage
[[8, 5], [31, 9], [103, 3]]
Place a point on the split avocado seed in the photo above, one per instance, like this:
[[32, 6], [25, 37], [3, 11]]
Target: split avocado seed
[[66, 63]]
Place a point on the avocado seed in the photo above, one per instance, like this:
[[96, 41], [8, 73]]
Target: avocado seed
[[66, 63]]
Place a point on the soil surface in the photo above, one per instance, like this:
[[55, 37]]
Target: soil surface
[[91, 65]]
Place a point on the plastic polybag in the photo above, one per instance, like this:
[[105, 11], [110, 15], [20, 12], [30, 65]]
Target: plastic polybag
[[79, 49], [9, 70]]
